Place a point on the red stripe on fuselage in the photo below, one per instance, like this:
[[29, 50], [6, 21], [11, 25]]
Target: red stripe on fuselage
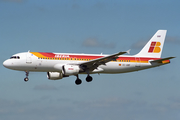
[[59, 55], [84, 56], [47, 54]]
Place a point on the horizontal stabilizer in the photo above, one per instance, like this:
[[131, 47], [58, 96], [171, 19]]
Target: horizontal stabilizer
[[163, 60]]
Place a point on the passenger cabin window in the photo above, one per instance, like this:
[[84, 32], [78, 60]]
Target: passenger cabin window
[[15, 57]]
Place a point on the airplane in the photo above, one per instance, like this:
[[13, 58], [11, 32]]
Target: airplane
[[60, 65]]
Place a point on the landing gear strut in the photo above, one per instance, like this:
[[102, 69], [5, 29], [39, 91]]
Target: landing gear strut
[[88, 78], [26, 78], [78, 81]]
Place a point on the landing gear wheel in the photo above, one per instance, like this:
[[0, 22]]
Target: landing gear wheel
[[26, 79], [89, 78], [78, 81]]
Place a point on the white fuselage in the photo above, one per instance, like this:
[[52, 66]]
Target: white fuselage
[[30, 62]]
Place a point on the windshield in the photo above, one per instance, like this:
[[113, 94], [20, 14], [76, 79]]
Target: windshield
[[15, 57]]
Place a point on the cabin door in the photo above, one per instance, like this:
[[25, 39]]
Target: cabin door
[[138, 61], [28, 58]]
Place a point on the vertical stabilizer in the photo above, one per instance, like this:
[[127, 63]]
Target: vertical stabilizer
[[154, 46]]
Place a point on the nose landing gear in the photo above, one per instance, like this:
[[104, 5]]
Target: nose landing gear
[[26, 78]]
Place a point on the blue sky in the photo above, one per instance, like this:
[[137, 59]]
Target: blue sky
[[89, 26]]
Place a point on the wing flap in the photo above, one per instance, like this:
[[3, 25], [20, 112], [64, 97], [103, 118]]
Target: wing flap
[[93, 64]]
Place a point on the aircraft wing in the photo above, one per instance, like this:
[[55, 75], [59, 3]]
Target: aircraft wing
[[93, 64]]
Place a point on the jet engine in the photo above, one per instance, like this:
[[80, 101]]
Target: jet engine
[[70, 69], [54, 75]]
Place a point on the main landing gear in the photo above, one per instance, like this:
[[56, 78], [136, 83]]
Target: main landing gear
[[89, 78], [26, 78], [79, 81]]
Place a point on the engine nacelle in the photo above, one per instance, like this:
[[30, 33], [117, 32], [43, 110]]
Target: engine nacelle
[[54, 75], [70, 69]]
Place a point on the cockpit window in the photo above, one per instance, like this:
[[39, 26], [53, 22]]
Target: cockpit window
[[15, 57]]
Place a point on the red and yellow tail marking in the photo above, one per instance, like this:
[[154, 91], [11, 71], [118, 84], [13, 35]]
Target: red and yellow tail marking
[[154, 48], [166, 61]]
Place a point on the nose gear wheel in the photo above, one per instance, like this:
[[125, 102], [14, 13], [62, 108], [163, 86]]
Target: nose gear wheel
[[26, 78]]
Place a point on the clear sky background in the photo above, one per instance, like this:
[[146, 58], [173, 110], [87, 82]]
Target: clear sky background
[[89, 26]]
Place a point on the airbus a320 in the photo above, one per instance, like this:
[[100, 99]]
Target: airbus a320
[[61, 65]]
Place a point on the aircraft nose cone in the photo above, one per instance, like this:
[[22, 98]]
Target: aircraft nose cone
[[6, 64]]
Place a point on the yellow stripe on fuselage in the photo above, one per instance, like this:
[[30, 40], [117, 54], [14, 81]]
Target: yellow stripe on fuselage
[[134, 61], [37, 54]]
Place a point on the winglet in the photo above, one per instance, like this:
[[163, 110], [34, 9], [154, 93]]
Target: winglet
[[128, 51]]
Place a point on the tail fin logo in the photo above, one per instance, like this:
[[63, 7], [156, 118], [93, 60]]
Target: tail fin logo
[[155, 47]]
